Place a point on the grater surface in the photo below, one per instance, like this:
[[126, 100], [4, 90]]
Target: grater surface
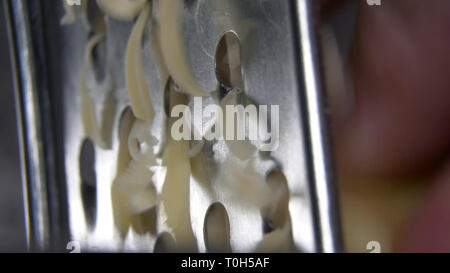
[[279, 67]]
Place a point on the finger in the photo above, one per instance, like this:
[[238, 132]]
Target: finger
[[428, 229], [399, 65]]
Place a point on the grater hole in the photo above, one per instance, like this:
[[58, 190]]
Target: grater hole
[[88, 181], [166, 103], [126, 122], [217, 229], [276, 213], [99, 61], [165, 243], [228, 60], [267, 227]]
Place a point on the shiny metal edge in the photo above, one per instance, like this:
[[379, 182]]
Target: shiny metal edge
[[29, 126], [323, 184]]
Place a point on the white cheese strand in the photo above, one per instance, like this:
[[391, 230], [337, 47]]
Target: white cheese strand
[[136, 184], [134, 71], [140, 141], [243, 183], [89, 117], [132, 190], [122, 218], [125, 10], [175, 192], [172, 47]]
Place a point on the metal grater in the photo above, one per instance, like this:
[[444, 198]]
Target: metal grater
[[281, 66]]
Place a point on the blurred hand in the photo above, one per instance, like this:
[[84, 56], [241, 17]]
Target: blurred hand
[[400, 123]]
